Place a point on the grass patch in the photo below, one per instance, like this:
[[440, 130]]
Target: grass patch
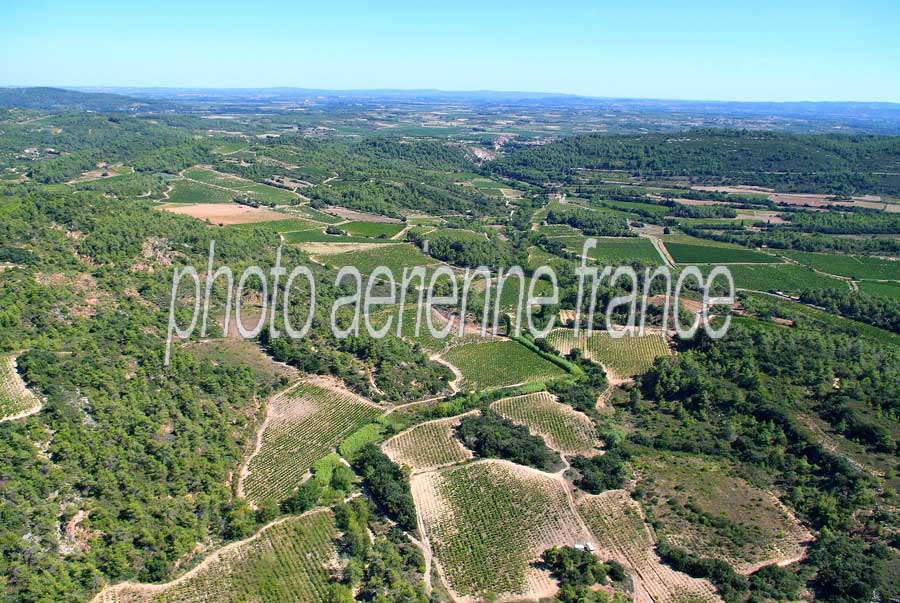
[[367, 434], [373, 230]]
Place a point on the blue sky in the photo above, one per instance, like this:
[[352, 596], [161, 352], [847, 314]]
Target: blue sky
[[761, 50]]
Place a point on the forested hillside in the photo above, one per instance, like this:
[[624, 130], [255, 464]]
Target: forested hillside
[[828, 164]]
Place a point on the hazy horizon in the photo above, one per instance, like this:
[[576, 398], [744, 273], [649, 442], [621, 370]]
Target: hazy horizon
[[131, 89], [768, 52]]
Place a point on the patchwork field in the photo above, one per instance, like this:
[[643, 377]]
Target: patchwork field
[[16, 400], [288, 561], [852, 266], [621, 533], [564, 428], [684, 253], [701, 508], [302, 425], [427, 446], [623, 358], [489, 521], [497, 189], [492, 364], [311, 213]]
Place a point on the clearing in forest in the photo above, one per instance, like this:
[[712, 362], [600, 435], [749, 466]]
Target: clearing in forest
[[414, 314], [16, 400], [623, 358], [302, 425], [621, 533], [288, 561], [489, 521], [239, 352], [428, 446], [493, 364], [706, 511], [565, 429]]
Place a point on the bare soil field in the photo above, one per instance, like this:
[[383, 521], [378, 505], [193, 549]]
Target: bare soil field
[[801, 199], [739, 190], [762, 216], [315, 249], [224, 213]]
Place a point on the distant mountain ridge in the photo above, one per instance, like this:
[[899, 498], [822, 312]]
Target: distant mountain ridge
[[59, 99], [855, 117]]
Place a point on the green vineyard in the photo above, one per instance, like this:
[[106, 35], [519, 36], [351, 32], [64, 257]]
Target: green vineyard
[[624, 357], [564, 429], [427, 446], [286, 562], [489, 521], [16, 400], [495, 364], [303, 425]]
